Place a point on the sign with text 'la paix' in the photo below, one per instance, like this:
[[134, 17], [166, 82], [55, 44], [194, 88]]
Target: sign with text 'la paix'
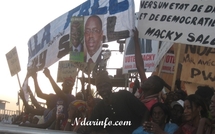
[[180, 21]]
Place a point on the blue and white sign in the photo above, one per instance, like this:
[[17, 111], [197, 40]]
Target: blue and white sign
[[51, 43]]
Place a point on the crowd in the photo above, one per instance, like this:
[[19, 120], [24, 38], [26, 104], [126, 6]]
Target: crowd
[[151, 112]]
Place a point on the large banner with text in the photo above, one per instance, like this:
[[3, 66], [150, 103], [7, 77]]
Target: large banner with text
[[180, 21], [52, 42]]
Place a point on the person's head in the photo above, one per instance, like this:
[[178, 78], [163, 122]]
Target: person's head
[[93, 34], [174, 96], [51, 101], [77, 108], [30, 117], [160, 113], [24, 118], [153, 85], [177, 109], [206, 93], [103, 85], [35, 119], [76, 33], [212, 106], [194, 108], [90, 100], [68, 85], [79, 96]]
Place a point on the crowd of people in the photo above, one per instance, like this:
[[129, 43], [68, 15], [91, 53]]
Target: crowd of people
[[121, 112]]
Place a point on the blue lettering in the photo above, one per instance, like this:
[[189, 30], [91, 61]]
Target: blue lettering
[[70, 14], [46, 35], [115, 7], [84, 9], [97, 10], [32, 46]]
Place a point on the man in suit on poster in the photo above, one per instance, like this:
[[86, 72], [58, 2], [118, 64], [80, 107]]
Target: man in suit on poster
[[76, 37], [93, 35]]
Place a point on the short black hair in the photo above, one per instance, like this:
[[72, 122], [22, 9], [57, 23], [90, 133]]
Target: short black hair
[[165, 109], [102, 77]]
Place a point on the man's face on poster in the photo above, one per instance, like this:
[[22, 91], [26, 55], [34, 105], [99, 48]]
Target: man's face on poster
[[93, 35], [75, 34]]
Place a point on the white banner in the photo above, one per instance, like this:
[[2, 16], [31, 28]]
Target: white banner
[[52, 42], [180, 21]]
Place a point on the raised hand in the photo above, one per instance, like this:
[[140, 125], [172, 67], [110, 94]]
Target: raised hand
[[34, 75], [46, 72], [21, 94], [29, 90]]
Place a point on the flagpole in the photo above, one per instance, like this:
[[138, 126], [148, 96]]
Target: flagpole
[[18, 91]]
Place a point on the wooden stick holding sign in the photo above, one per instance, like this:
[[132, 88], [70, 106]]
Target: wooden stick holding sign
[[161, 64], [176, 66], [14, 66]]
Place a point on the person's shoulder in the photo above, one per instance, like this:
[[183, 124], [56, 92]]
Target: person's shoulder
[[172, 124], [97, 100], [100, 103], [124, 92], [70, 97], [169, 127]]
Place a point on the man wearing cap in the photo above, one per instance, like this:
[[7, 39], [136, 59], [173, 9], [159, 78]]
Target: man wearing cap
[[116, 107], [65, 97], [177, 109]]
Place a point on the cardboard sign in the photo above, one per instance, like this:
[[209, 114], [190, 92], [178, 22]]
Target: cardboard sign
[[13, 61], [66, 69], [198, 65]]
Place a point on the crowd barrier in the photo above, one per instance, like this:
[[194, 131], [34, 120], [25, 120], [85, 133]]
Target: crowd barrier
[[15, 129]]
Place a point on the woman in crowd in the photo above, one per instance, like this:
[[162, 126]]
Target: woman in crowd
[[160, 121], [194, 110], [207, 126]]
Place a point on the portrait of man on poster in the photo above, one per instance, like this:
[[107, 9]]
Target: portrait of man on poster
[[76, 34], [93, 38]]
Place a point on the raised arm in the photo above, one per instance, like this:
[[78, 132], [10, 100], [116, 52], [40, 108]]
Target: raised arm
[[56, 88], [33, 99], [138, 56], [37, 88], [28, 107]]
